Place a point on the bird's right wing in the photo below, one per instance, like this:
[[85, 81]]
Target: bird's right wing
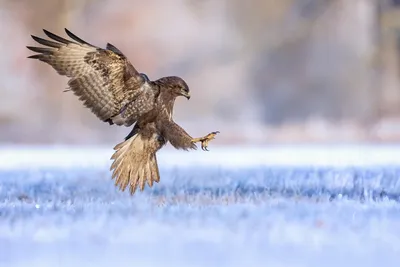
[[102, 78]]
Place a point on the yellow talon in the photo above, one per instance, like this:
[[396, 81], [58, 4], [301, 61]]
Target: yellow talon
[[204, 140]]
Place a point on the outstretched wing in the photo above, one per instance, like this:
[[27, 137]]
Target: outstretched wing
[[135, 161], [176, 135], [102, 78]]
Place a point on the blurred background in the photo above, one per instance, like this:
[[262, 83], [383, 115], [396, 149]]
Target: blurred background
[[260, 71]]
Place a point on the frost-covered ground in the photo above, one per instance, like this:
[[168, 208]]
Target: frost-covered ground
[[273, 206]]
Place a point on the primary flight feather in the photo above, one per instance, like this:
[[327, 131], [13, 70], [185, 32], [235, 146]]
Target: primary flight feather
[[108, 84]]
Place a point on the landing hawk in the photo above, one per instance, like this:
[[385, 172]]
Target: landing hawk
[[108, 84]]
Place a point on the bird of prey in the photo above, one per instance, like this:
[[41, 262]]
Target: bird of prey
[[110, 86]]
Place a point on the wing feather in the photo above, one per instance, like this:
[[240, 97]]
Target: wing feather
[[42, 50], [76, 38], [103, 79], [56, 37], [46, 42], [114, 49]]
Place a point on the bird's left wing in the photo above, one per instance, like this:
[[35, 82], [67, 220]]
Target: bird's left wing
[[176, 135], [179, 138]]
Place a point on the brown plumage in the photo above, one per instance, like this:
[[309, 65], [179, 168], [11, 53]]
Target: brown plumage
[[108, 84]]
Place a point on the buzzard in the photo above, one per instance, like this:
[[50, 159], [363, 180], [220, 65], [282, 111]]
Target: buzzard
[[110, 86]]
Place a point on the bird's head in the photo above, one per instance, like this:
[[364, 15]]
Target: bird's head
[[177, 86]]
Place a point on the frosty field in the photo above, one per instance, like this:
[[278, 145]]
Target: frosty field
[[273, 206]]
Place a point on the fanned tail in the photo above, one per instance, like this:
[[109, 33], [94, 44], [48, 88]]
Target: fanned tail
[[135, 163]]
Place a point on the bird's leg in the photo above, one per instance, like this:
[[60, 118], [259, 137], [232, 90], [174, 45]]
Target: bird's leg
[[205, 139]]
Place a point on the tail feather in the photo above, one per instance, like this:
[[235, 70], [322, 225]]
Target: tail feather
[[135, 163], [133, 184], [154, 170]]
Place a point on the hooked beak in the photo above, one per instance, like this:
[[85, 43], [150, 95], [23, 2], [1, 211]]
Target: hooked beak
[[186, 94]]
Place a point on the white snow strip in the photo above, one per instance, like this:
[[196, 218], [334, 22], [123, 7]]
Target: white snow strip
[[16, 157]]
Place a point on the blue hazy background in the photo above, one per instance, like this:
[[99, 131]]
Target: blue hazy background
[[305, 172]]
